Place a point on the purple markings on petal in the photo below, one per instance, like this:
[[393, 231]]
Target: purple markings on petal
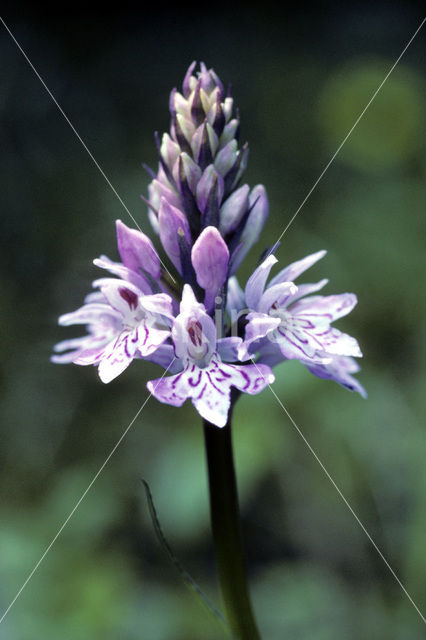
[[129, 296]]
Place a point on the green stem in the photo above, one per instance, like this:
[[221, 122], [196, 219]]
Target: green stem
[[225, 520]]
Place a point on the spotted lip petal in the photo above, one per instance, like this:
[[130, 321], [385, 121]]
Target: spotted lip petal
[[204, 375], [210, 388]]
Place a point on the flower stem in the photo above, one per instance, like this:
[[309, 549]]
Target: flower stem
[[225, 521]]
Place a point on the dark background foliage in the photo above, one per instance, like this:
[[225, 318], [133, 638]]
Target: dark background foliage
[[300, 80]]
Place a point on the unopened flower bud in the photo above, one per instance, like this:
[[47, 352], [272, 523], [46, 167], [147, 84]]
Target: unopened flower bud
[[170, 221], [258, 201], [233, 209]]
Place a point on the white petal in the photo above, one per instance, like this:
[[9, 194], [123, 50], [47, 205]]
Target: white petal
[[118, 355], [256, 283], [295, 269]]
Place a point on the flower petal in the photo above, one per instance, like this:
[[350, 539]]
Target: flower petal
[[149, 338], [339, 370], [92, 313], [324, 308], [338, 343], [164, 356], [159, 303], [235, 300], [118, 355], [256, 283], [258, 201], [278, 295], [296, 343], [227, 348], [259, 325], [172, 221], [137, 251], [122, 296], [124, 273], [248, 378], [290, 273], [233, 209], [210, 257], [170, 390], [212, 401]]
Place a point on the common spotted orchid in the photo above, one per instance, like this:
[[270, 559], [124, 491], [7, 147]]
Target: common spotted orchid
[[205, 375], [206, 221], [124, 319]]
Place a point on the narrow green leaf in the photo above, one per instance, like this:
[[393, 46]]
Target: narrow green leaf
[[188, 580]]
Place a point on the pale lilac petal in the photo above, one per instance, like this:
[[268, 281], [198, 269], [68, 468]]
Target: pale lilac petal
[[164, 356], [324, 308], [256, 283], [210, 257], [63, 358], [170, 390], [305, 289], [73, 343], [90, 356], [227, 348], [339, 370], [95, 296], [118, 355], [290, 273], [235, 300], [189, 302], [209, 388], [212, 399], [137, 251], [159, 303], [248, 378], [269, 353], [233, 209], [335, 342], [76, 346], [149, 338], [278, 295], [122, 296], [124, 273], [258, 326], [193, 331], [296, 343], [172, 222], [258, 200], [92, 313]]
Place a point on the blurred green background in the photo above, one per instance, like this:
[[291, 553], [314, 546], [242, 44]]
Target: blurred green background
[[300, 81]]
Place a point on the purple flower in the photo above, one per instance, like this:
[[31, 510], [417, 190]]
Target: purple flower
[[204, 375], [124, 319], [299, 326]]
